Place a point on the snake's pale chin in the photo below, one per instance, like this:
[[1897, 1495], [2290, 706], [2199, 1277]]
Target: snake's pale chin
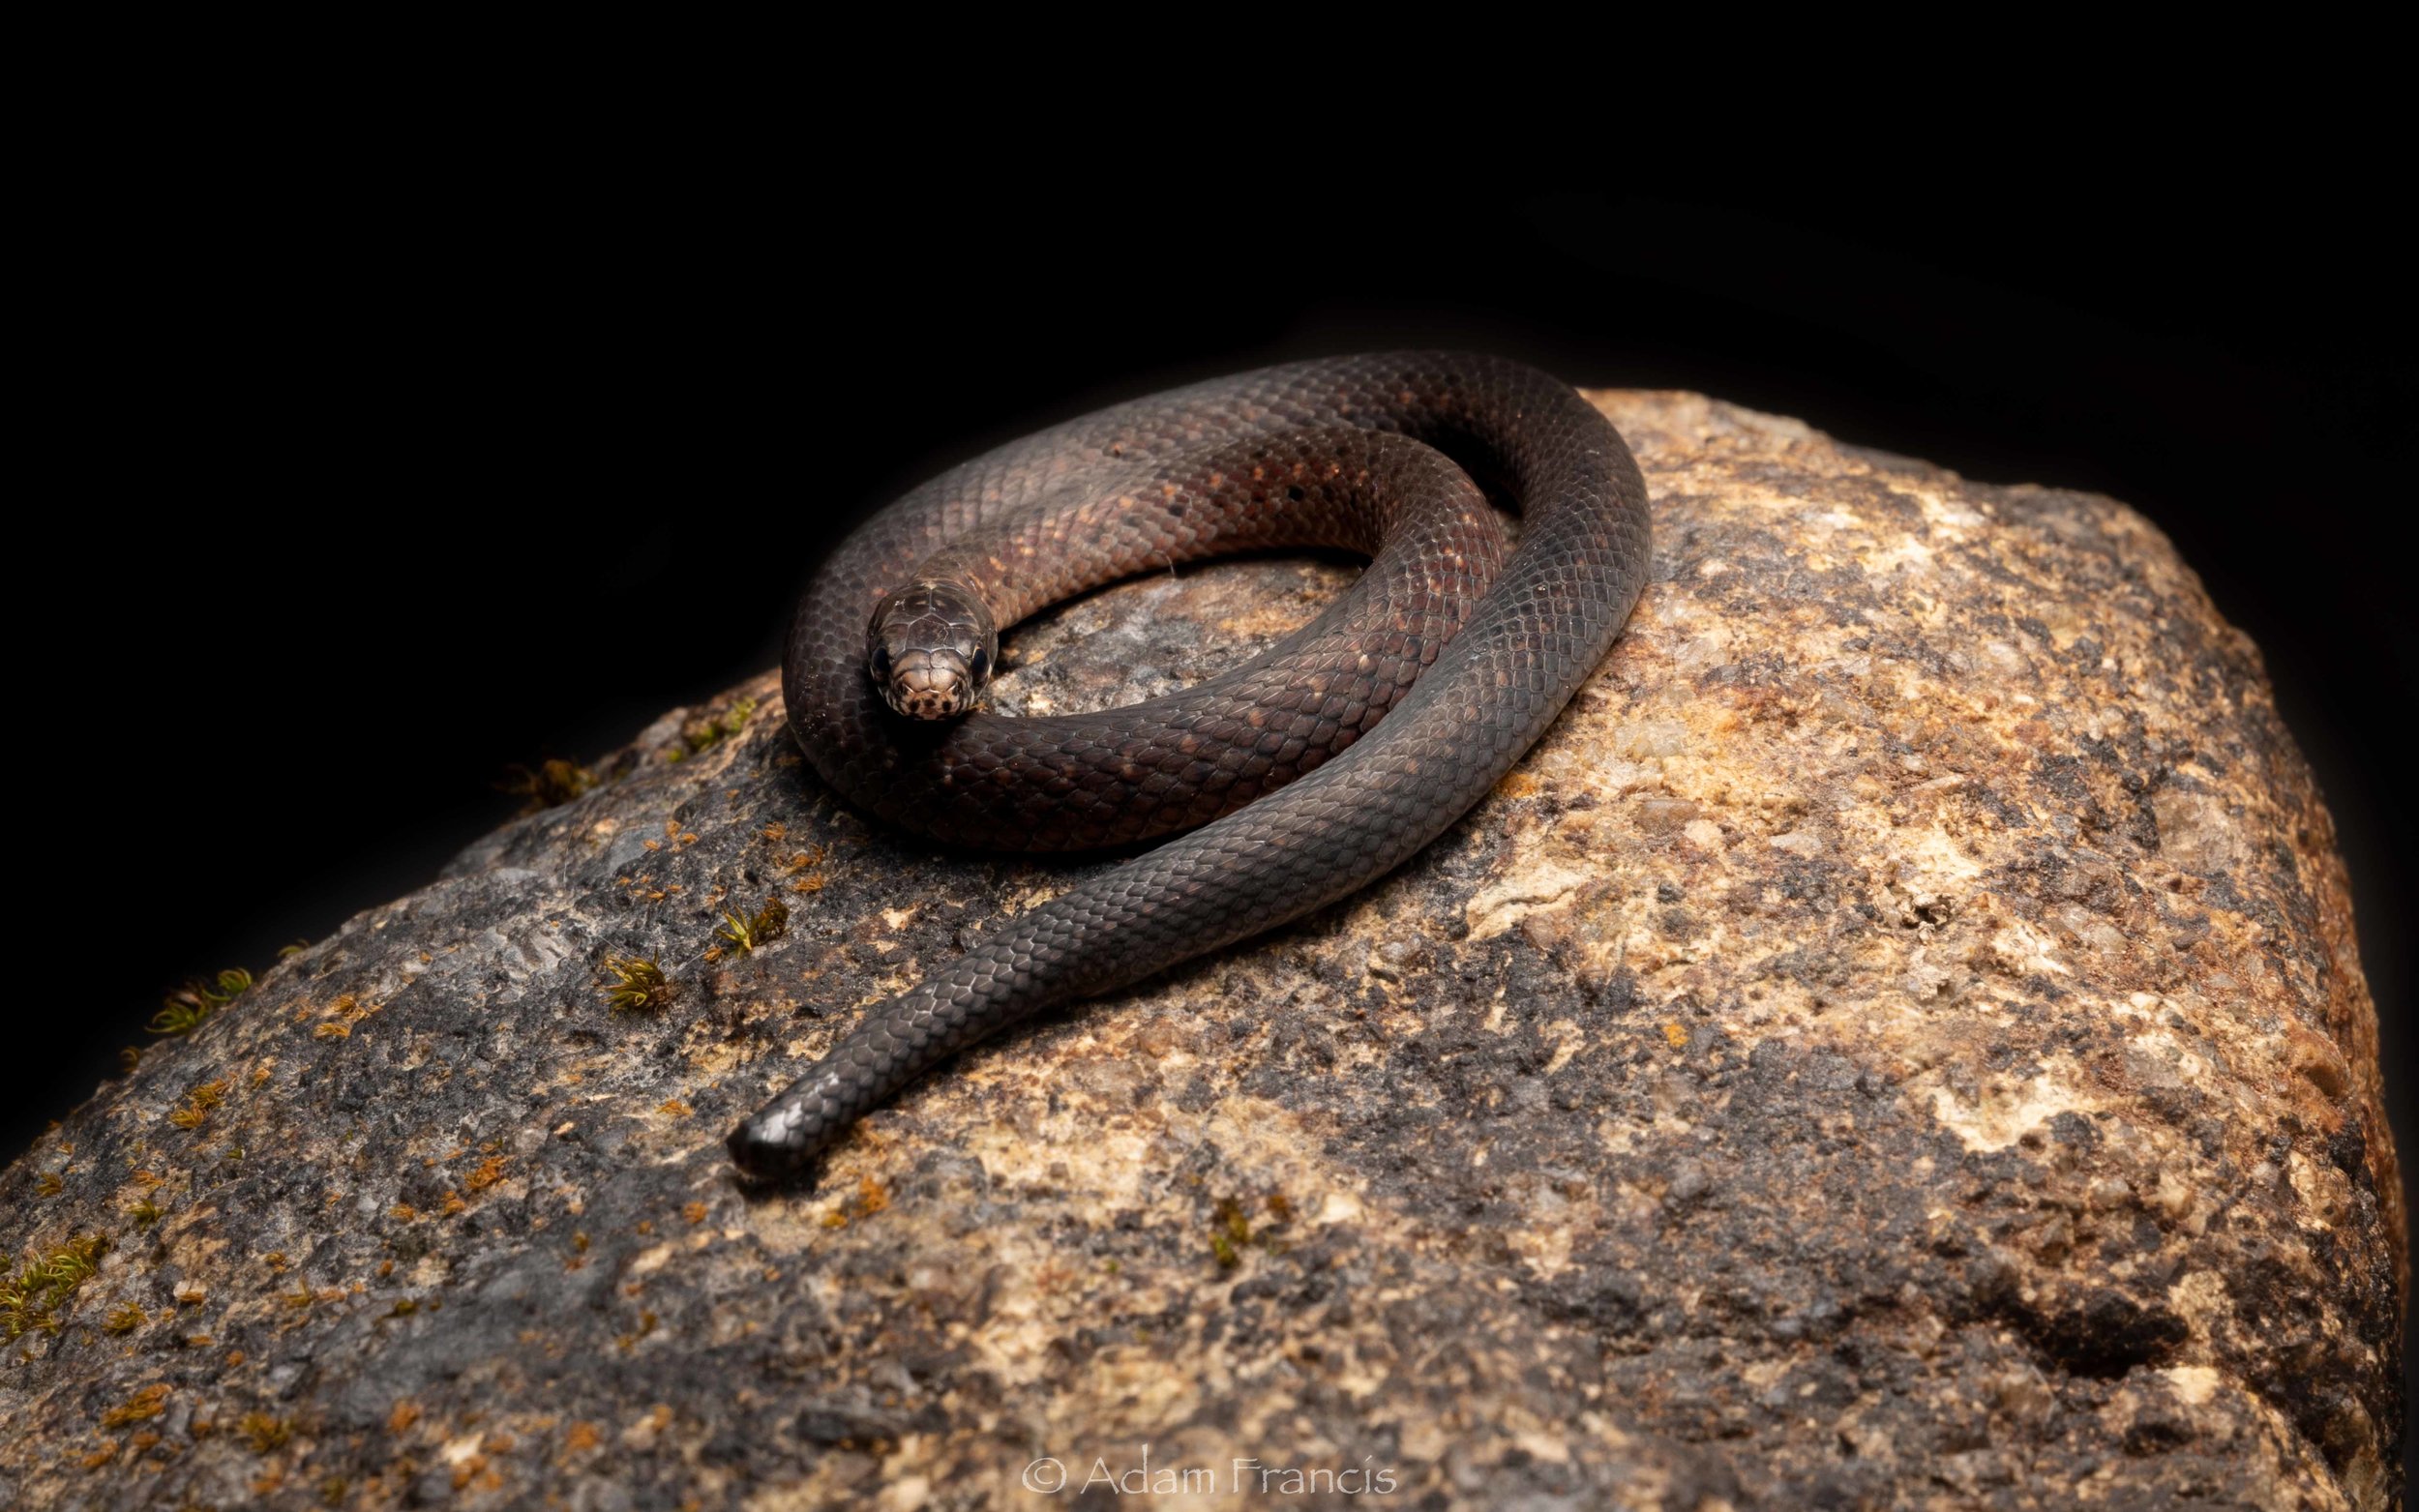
[[927, 703], [929, 684]]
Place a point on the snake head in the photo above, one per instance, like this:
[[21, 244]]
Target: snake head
[[930, 649]]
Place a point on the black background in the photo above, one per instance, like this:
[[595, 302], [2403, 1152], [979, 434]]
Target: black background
[[399, 488]]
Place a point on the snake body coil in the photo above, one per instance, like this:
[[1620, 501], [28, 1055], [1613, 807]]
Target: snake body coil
[[1294, 792]]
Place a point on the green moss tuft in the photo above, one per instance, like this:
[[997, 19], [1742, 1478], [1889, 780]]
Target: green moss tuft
[[549, 784], [708, 730], [765, 925], [265, 1433], [1229, 1231], [35, 1293], [638, 982], [192, 1005]]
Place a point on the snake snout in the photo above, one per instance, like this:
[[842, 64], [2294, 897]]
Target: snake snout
[[928, 685]]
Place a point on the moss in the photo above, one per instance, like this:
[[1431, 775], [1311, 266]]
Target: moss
[[806, 861], [765, 925], [337, 1020], [192, 1005], [549, 784], [144, 1212], [265, 1433], [194, 1111], [704, 733], [1229, 1231], [141, 1406], [638, 982], [124, 1317], [36, 1292]]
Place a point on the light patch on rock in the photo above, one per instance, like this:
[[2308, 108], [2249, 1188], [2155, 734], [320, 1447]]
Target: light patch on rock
[[2195, 831], [2006, 1108], [652, 1259], [1531, 885], [2020, 949], [1943, 513], [2194, 1384]]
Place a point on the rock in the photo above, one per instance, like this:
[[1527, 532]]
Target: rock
[[1899, 1039]]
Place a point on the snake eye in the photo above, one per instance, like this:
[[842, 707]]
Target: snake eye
[[980, 667], [881, 664]]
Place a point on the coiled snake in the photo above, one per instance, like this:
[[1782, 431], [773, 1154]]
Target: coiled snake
[[1292, 790]]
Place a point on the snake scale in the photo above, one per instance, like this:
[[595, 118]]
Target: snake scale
[[1294, 779]]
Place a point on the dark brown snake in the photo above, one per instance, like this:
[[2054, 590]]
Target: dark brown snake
[[1294, 792]]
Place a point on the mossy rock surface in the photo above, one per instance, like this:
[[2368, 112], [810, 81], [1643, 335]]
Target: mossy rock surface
[[1898, 1042]]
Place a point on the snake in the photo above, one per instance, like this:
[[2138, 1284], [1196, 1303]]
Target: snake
[[1276, 787]]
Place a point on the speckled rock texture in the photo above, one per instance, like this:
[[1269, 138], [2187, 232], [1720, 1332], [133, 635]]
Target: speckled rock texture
[[1898, 1043]]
